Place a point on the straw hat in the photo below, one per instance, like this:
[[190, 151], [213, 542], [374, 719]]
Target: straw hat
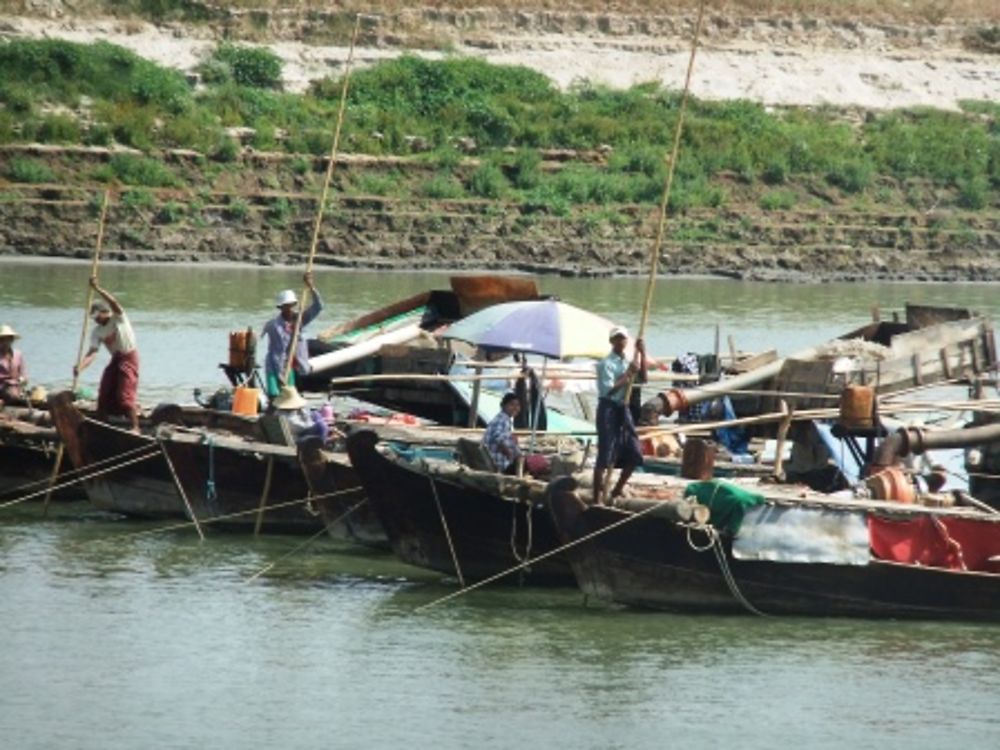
[[288, 399], [7, 332], [37, 394], [286, 297]]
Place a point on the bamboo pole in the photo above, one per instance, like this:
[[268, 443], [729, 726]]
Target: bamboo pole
[[264, 496], [180, 490], [322, 201], [654, 256], [94, 263]]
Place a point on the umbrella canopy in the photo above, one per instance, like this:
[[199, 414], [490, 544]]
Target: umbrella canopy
[[546, 327]]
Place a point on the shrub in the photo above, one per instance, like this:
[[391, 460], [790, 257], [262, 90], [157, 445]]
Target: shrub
[[777, 200], [488, 182], [138, 170], [226, 150], [59, 129], [237, 208], [441, 187], [851, 175], [973, 193], [29, 170], [524, 172], [251, 66], [280, 212], [138, 199]]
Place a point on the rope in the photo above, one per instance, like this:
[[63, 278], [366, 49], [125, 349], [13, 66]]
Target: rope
[[210, 493], [66, 475], [447, 532], [543, 556], [83, 478], [529, 528], [727, 574], [223, 517]]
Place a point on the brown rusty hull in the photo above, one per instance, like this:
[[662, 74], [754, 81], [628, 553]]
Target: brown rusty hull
[[238, 471], [340, 498], [651, 563], [143, 489], [480, 524]]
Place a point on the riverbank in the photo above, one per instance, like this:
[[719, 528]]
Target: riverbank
[[831, 187]]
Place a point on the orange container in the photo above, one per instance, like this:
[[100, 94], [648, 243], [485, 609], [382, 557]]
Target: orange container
[[857, 407], [246, 400]]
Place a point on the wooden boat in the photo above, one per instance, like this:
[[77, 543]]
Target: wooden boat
[[241, 484], [399, 339], [456, 520], [931, 345], [336, 491], [28, 447], [126, 472], [811, 555]]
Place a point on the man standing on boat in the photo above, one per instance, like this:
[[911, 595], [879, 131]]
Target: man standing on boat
[[120, 380], [617, 440], [279, 330]]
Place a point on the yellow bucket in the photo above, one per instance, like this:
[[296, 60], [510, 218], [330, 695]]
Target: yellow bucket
[[246, 400]]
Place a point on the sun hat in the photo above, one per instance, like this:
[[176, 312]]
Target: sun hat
[[7, 332], [617, 331], [287, 297], [288, 399]]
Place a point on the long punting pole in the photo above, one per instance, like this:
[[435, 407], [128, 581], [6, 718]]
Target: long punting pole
[[322, 201], [654, 256], [94, 263]]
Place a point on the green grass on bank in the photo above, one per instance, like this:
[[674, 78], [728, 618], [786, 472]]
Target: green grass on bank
[[59, 92]]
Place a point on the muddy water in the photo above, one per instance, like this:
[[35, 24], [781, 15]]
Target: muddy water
[[119, 636]]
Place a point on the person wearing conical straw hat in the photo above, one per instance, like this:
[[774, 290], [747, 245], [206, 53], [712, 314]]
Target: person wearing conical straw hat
[[279, 331], [302, 421], [118, 392], [617, 440], [13, 373]]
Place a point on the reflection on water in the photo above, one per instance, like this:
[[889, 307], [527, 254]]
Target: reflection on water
[[117, 635]]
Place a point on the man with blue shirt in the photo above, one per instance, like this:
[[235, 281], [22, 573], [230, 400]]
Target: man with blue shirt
[[617, 440], [278, 331]]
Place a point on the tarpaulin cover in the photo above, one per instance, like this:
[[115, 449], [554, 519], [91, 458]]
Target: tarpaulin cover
[[937, 541], [803, 535], [727, 502]]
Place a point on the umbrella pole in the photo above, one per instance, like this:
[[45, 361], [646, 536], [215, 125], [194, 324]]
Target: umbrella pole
[[654, 256], [477, 387], [536, 412]]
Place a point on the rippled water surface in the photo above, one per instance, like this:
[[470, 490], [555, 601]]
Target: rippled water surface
[[118, 634]]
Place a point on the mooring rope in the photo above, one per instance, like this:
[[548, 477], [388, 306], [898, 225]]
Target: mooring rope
[[223, 517], [299, 547], [447, 532], [543, 556], [84, 478]]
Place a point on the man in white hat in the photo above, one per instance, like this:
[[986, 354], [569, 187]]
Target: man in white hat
[[278, 331], [118, 392], [13, 373], [617, 441]]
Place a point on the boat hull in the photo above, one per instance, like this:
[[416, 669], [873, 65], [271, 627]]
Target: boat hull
[[485, 529], [651, 562]]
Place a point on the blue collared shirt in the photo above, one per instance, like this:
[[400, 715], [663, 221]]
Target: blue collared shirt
[[609, 370]]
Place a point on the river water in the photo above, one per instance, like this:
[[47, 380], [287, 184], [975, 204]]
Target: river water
[[118, 634]]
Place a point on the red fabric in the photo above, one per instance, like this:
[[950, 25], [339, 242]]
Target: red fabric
[[954, 543], [119, 384]]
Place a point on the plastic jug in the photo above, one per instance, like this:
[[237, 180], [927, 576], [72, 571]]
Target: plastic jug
[[246, 400]]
